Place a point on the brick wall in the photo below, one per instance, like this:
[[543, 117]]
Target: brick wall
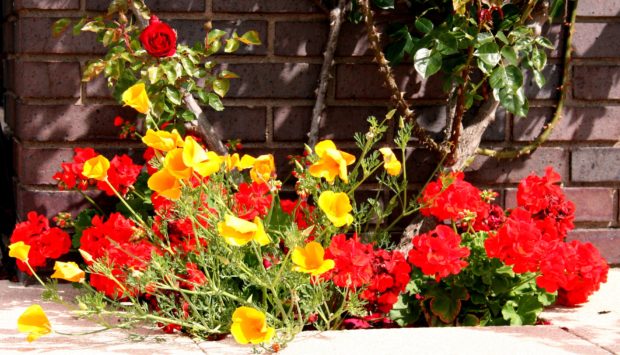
[[50, 111]]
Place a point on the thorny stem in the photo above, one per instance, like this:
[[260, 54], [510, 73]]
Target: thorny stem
[[388, 77], [557, 116]]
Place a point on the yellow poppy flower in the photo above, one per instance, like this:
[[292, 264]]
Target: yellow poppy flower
[[238, 232], [68, 271], [336, 206], [250, 326], [96, 168], [34, 322], [165, 184], [263, 168], [332, 162], [162, 140], [390, 163], [174, 163], [136, 97], [233, 161], [209, 166], [19, 251], [309, 259]]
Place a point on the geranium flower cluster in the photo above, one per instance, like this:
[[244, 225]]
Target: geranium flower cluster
[[45, 242], [122, 173]]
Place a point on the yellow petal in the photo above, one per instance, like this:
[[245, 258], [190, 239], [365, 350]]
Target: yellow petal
[[161, 140], [209, 166], [263, 168], [390, 163], [321, 147], [173, 162], [19, 251], [35, 322], [165, 184], [136, 97], [247, 161], [336, 207], [69, 271], [260, 236], [96, 168], [236, 231], [193, 153]]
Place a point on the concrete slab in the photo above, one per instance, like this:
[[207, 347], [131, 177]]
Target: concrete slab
[[591, 329]]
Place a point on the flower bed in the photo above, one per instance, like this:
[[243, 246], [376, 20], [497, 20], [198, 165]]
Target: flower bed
[[209, 242]]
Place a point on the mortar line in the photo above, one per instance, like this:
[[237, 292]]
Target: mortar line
[[569, 331]]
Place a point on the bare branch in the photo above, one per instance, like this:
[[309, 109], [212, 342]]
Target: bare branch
[[335, 21], [388, 78]]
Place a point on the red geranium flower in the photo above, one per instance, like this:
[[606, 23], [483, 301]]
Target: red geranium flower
[[122, 174], [353, 261], [70, 175], [45, 242], [193, 277], [252, 200], [450, 197], [439, 253]]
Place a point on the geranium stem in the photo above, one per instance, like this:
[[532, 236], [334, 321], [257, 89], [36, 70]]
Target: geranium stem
[[91, 201]]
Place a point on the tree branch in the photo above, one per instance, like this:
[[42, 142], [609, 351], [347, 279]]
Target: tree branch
[[336, 16], [388, 78], [557, 116], [201, 124]]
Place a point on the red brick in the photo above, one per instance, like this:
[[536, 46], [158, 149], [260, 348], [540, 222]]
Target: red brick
[[599, 8], [191, 32], [34, 35], [36, 166], [593, 164], [596, 83], [247, 124], [299, 6], [594, 204], [419, 164], [577, 124], [8, 44], [49, 203], [339, 123], [597, 40], [156, 5], [490, 170], [301, 38], [353, 41], [363, 81], [47, 4], [288, 80], [45, 79], [68, 122], [607, 241]]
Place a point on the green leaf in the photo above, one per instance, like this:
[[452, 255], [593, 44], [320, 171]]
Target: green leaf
[[215, 102], [510, 77], [188, 66], [226, 74], [251, 38], [427, 62], [231, 45], [502, 37], [60, 26], [93, 26], [510, 54], [447, 305], [221, 86], [154, 74], [470, 320], [448, 44], [202, 95], [514, 101], [542, 41], [424, 25], [215, 35], [384, 4], [93, 70], [173, 95], [539, 79], [539, 59], [187, 116], [557, 9], [489, 53], [77, 28], [484, 38]]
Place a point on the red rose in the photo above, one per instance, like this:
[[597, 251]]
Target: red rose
[[159, 39]]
